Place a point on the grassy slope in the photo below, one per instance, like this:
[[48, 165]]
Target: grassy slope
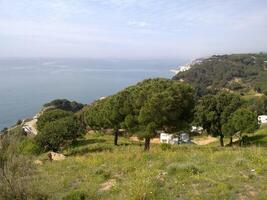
[[182, 172], [260, 137]]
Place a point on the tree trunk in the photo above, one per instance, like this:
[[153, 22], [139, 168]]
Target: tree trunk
[[221, 140], [240, 139], [231, 141], [116, 136], [147, 144]]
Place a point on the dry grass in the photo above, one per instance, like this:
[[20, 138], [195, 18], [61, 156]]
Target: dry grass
[[181, 172]]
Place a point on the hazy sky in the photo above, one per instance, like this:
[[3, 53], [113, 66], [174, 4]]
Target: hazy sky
[[131, 28]]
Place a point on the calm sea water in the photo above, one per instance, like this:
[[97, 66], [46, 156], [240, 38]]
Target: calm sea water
[[26, 84]]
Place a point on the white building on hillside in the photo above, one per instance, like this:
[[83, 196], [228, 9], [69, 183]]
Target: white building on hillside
[[168, 138], [262, 119], [172, 139], [197, 129]]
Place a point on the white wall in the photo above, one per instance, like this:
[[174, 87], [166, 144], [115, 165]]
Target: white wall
[[262, 119]]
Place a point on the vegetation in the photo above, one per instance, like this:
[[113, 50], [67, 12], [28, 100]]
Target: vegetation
[[58, 133], [96, 169], [16, 172], [57, 128], [144, 109], [4, 130], [213, 111], [19, 122], [257, 105], [154, 104], [238, 72], [65, 104], [51, 116], [241, 121]]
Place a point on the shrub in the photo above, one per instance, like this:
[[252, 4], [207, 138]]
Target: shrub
[[59, 133], [16, 172], [51, 116], [28, 147], [19, 122], [65, 104], [234, 86], [4, 130], [257, 104]]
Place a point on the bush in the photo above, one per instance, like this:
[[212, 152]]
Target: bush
[[19, 122], [65, 104], [28, 147], [257, 104], [59, 133], [235, 86], [51, 116], [4, 130], [16, 172]]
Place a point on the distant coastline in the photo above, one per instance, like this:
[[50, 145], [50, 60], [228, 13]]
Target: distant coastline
[[183, 68]]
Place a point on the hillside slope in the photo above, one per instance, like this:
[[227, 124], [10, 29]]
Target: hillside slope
[[238, 72], [96, 169]]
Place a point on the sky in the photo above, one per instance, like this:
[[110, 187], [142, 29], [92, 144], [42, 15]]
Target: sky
[[131, 29]]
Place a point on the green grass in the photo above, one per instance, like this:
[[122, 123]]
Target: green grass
[[260, 137], [179, 172]]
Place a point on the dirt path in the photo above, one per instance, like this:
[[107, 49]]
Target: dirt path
[[197, 140], [204, 140]]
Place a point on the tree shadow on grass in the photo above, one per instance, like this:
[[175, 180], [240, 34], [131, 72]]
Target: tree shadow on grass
[[87, 150], [84, 142], [259, 140], [130, 144]]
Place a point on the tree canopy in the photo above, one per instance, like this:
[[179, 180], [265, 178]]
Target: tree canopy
[[153, 104], [241, 121], [257, 105], [58, 133], [65, 104], [56, 128], [213, 111], [50, 116]]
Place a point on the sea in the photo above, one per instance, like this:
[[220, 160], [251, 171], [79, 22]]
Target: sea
[[28, 83]]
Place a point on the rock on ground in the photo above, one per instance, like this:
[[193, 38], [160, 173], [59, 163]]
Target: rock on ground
[[55, 156], [107, 185]]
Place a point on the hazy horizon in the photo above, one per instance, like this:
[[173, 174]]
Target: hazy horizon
[[131, 29]]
